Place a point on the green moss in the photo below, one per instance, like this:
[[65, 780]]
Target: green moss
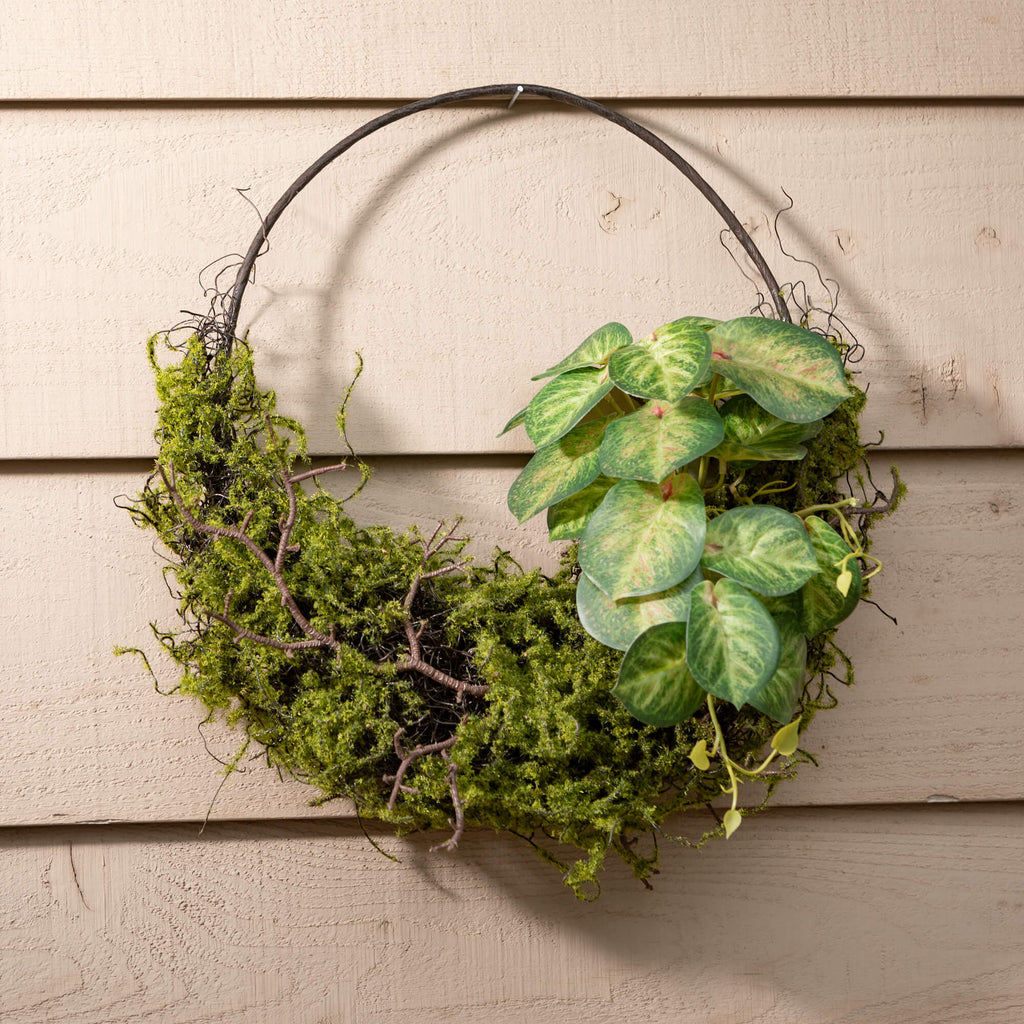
[[548, 753]]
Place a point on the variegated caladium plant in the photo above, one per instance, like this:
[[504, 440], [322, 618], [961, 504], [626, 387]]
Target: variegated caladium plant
[[711, 591]]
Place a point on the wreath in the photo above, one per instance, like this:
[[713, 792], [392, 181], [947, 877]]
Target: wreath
[[711, 486]]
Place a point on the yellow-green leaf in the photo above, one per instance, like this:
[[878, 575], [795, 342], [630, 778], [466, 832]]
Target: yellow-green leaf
[[594, 351], [787, 739], [731, 820], [824, 601], [732, 641], [563, 402], [699, 756], [668, 364], [654, 682], [644, 538], [557, 470], [658, 438], [794, 373], [763, 547]]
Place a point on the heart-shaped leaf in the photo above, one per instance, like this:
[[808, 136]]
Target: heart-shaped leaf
[[654, 682], [568, 519], [563, 402], [732, 642], [644, 538], [658, 438], [667, 364], [618, 623], [754, 434], [824, 605], [779, 697], [761, 546], [794, 373], [558, 470], [594, 351]]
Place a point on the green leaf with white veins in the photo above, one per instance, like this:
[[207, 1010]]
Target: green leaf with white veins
[[778, 699], [794, 373], [563, 402], [763, 547], [557, 470], [594, 351], [667, 364], [754, 434], [654, 681], [618, 623], [644, 538], [658, 438], [823, 604], [732, 642]]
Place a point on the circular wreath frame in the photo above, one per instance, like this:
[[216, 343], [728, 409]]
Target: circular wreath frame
[[390, 669]]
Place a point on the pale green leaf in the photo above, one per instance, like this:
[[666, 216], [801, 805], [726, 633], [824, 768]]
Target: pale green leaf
[[519, 418], [558, 470], [658, 438], [668, 364], [618, 623], [793, 373], [699, 756], [644, 538], [824, 604], [754, 434], [731, 820], [763, 547], [732, 642], [654, 682], [594, 351], [568, 519], [563, 402], [787, 739]]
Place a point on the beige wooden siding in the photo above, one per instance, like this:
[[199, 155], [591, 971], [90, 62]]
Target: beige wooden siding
[[459, 251], [480, 243], [368, 49]]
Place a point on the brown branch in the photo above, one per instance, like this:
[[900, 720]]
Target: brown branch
[[460, 685], [407, 760], [415, 662], [273, 566], [459, 825]]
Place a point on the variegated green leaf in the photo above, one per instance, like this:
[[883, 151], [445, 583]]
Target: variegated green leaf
[[558, 470], [644, 538], [732, 642], [594, 351], [563, 402], [568, 519], [667, 364], [761, 546], [655, 684], [823, 604], [779, 697], [658, 438], [519, 418], [618, 623], [794, 373], [754, 434]]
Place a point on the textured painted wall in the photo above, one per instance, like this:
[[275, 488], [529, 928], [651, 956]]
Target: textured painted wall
[[475, 242]]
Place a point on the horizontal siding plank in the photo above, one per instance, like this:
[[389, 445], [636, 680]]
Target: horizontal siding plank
[[854, 916], [937, 713], [373, 49], [463, 251]]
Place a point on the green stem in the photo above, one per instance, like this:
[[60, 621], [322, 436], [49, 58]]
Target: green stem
[[734, 787]]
